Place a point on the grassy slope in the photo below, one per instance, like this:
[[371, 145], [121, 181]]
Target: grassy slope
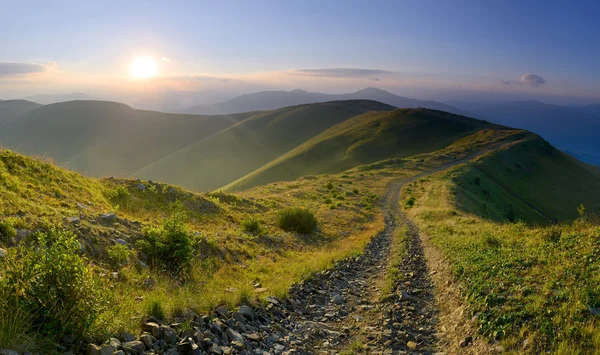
[[106, 138], [228, 155], [365, 139], [528, 286]]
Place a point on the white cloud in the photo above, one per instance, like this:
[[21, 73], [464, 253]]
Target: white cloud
[[532, 80]]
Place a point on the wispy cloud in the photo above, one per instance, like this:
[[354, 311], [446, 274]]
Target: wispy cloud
[[165, 59], [11, 69], [341, 72]]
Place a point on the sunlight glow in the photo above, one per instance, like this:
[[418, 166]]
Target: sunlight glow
[[143, 67]]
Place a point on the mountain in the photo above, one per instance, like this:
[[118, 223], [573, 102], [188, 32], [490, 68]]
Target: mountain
[[270, 100], [11, 109], [572, 129], [365, 139], [104, 138], [244, 147], [51, 99]]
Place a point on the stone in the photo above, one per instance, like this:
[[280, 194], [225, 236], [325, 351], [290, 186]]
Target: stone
[[254, 337], [233, 335], [109, 217], [248, 312], [593, 310], [405, 297], [148, 340], [114, 342], [125, 337], [411, 345], [222, 311], [169, 335], [141, 187], [337, 299], [3, 253], [153, 329], [107, 349], [73, 220], [120, 352], [239, 345], [92, 349], [133, 347], [149, 283], [215, 349], [120, 241], [22, 234]]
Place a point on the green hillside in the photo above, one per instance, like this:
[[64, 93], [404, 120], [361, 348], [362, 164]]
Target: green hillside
[[11, 109], [105, 138], [366, 139], [242, 148]]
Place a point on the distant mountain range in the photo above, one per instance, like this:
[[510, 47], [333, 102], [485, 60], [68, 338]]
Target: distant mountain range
[[573, 129], [272, 100], [52, 99]]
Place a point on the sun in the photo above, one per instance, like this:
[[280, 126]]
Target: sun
[[143, 67]]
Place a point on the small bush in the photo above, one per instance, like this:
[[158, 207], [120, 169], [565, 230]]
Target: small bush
[[330, 186], [552, 234], [410, 202], [7, 232], [251, 225], [118, 255], [118, 196], [171, 246], [51, 284], [155, 309], [294, 219], [355, 191], [492, 241]]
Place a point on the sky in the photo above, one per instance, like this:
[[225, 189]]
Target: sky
[[442, 50]]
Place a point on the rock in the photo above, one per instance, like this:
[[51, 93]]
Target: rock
[[169, 335], [3, 253], [22, 234], [153, 329], [149, 283], [148, 340], [120, 352], [466, 341], [120, 241], [234, 336], [237, 344], [411, 345], [405, 297], [125, 337], [248, 312], [115, 343], [108, 217], [222, 311], [107, 349], [134, 347], [73, 220], [92, 349], [337, 299], [593, 310], [254, 337], [185, 347], [141, 187]]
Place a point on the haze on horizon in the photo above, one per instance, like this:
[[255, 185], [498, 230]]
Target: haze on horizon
[[142, 51]]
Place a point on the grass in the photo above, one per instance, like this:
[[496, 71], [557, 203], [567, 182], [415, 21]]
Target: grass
[[397, 255], [365, 139], [529, 286]]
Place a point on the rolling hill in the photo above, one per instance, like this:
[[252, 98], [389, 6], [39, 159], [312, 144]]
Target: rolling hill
[[46, 99], [366, 139], [103, 138], [271, 100], [11, 109], [242, 148], [570, 128]]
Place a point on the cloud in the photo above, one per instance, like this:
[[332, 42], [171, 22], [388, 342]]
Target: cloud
[[165, 59], [10, 69], [374, 79], [341, 72], [532, 80]]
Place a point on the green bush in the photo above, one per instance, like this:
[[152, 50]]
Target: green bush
[[170, 246], [410, 202], [294, 219], [552, 234], [251, 225], [7, 232], [155, 309], [492, 241], [118, 255], [52, 285], [329, 186]]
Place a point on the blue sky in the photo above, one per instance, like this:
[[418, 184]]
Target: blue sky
[[426, 48]]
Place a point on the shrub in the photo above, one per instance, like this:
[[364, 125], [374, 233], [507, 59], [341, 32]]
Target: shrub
[[52, 285], [330, 186], [551, 234], [410, 202], [492, 241], [251, 225], [294, 219], [7, 232], [118, 196], [170, 246], [118, 255], [155, 309], [355, 191]]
